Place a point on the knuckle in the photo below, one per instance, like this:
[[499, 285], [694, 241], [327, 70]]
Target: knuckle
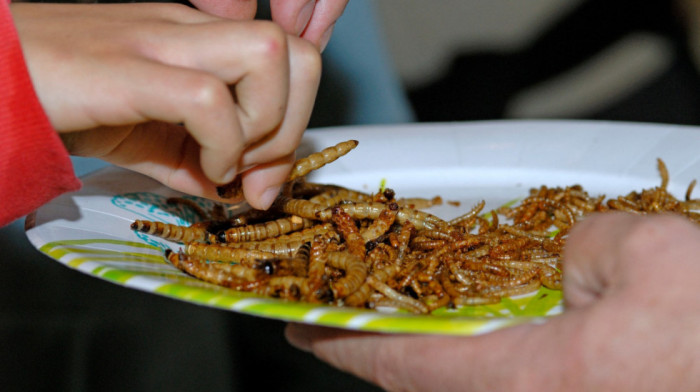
[[307, 59], [209, 93], [270, 42]]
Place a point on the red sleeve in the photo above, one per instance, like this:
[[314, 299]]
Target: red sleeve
[[34, 164]]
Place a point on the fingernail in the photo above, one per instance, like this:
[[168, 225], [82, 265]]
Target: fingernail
[[230, 175], [269, 196], [304, 17], [326, 37]]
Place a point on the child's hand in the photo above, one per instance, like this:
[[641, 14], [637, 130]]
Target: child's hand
[[185, 97]]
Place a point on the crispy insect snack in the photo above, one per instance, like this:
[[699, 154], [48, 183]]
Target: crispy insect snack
[[328, 244]]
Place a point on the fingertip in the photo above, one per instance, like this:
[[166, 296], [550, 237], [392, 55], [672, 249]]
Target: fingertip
[[220, 165], [296, 336], [230, 175], [325, 38], [304, 17], [263, 183], [267, 197]]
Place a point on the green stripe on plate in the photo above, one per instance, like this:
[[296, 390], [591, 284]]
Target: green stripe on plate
[[430, 324], [87, 241], [60, 249], [189, 293], [291, 311], [78, 261], [116, 275]]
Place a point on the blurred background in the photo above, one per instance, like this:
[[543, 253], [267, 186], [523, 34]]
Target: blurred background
[[389, 61], [618, 60]]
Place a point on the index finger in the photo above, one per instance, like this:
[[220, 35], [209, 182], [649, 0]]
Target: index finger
[[230, 9], [312, 20], [502, 360]]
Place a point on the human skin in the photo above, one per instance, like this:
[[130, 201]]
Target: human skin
[[632, 323], [185, 97], [312, 20]]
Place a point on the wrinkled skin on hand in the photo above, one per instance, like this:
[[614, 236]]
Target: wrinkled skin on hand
[[188, 98], [632, 323]]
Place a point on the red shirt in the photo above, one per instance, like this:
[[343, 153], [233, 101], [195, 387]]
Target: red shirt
[[34, 165]]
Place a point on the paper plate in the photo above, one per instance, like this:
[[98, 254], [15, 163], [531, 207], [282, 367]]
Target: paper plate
[[496, 161]]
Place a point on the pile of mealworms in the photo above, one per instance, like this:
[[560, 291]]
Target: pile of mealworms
[[328, 244]]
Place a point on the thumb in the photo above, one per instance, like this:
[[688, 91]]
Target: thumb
[[607, 251]]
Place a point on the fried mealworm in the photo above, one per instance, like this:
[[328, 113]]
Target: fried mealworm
[[372, 210], [403, 300], [171, 232], [335, 196], [301, 167], [360, 296], [345, 225], [261, 231], [382, 224], [355, 273], [225, 253], [317, 160], [224, 274], [366, 250]]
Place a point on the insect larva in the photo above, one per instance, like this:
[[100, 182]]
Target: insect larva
[[404, 301], [371, 210], [301, 168], [348, 230], [170, 232], [360, 296], [223, 274], [299, 207], [225, 253], [317, 160], [382, 224], [471, 214], [232, 190], [288, 287], [290, 243], [335, 196], [261, 231], [476, 300], [355, 273], [510, 291], [278, 248]]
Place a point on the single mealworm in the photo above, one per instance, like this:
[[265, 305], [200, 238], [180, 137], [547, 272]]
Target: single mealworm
[[223, 274], [382, 224], [355, 273], [226, 254], [317, 160], [261, 231], [348, 230], [171, 232]]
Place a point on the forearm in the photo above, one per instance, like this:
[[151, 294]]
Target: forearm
[[34, 165]]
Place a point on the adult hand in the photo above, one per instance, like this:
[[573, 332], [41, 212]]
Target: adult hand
[[187, 98], [631, 324], [312, 20]]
